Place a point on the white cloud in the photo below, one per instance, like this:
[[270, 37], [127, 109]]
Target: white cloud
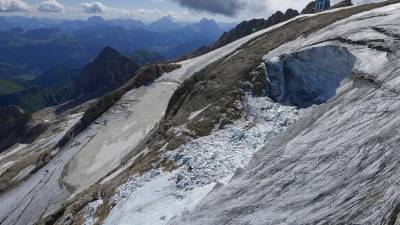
[[248, 9], [245, 9], [224, 7], [150, 11], [13, 6], [51, 6], [94, 7]]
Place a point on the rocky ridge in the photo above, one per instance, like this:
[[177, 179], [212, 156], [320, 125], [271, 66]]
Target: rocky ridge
[[108, 72], [245, 28]]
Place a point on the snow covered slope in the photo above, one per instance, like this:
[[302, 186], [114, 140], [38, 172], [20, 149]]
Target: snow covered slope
[[339, 164]]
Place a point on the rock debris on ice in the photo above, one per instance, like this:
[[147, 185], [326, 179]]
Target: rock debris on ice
[[157, 196]]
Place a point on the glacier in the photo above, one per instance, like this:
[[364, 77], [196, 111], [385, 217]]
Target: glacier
[[339, 163]]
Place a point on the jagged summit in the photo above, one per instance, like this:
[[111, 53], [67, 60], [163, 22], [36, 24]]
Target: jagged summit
[[310, 8], [109, 71], [164, 24], [94, 20], [247, 27], [108, 53]]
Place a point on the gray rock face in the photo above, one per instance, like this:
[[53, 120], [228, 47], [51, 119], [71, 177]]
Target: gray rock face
[[309, 9], [108, 72], [344, 3], [308, 77], [12, 118], [248, 27], [245, 28]]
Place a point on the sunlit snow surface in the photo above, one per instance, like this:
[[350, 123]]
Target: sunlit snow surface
[[340, 163], [156, 197]]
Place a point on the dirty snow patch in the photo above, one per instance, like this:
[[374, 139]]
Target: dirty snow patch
[[90, 212]]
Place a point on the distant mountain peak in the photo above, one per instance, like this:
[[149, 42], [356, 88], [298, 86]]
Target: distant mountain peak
[[96, 19], [166, 18], [165, 23], [108, 52], [109, 71], [207, 22]]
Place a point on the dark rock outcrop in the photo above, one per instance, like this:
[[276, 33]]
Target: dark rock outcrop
[[12, 118], [15, 127], [344, 3], [108, 72], [245, 28], [309, 9]]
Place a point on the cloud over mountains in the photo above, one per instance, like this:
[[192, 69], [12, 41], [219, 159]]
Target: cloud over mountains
[[13, 6], [51, 6], [234, 7], [94, 7], [224, 7]]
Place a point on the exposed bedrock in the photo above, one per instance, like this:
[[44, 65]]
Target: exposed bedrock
[[16, 126], [310, 76]]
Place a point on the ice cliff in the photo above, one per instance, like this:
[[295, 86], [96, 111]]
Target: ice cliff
[[310, 76]]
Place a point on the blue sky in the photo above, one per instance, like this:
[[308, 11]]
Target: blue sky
[[150, 10]]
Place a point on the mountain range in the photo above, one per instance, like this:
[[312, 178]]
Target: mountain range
[[106, 73], [34, 81], [39, 55]]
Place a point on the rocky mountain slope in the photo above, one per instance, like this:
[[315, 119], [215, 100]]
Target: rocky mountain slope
[[245, 28], [106, 73], [310, 7], [15, 129], [109, 71], [293, 124]]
